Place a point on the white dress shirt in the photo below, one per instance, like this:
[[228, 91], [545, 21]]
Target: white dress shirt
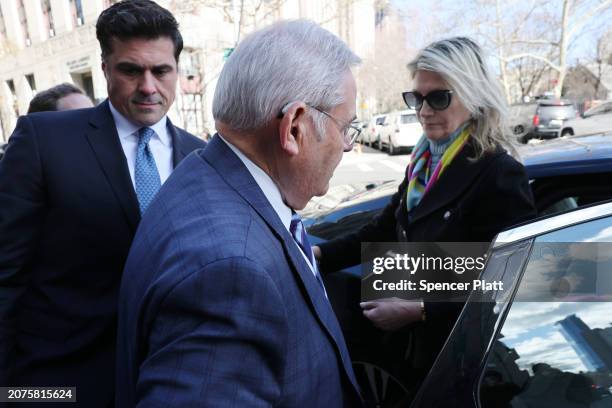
[[272, 193], [160, 144]]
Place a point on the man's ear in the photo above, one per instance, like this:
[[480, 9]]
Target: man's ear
[[103, 66], [292, 127]]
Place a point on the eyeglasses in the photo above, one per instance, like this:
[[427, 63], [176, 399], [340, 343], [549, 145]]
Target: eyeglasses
[[350, 132], [437, 100]]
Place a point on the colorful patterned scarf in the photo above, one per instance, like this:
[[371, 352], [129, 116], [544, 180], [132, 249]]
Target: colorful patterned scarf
[[419, 179]]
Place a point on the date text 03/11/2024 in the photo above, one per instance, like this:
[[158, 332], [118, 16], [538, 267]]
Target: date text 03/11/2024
[[425, 286]]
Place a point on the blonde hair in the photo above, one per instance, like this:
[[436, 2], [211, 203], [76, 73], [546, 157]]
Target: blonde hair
[[461, 62]]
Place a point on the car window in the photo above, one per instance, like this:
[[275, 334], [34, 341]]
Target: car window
[[380, 121], [557, 354], [557, 111], [409, 118], [559, 194]]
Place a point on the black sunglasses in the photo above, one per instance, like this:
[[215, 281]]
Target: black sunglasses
[[437, 100]]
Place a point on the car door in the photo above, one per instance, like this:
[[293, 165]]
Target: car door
[[546, 339]]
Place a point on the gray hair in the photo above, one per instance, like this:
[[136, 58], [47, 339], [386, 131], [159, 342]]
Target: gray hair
[[461, 62], [285, 62]]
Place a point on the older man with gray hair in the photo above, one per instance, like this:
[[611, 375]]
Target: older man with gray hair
[[221, 302]]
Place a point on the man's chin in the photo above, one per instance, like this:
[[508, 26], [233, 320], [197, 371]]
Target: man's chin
[[146, 118], [323, 190]]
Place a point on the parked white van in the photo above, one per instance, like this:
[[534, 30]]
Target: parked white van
[[401, 130]]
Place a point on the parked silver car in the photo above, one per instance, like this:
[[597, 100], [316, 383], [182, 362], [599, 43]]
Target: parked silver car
[[550, 118]]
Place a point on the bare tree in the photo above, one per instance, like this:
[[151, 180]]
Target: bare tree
[[603, 59], [562, 31]]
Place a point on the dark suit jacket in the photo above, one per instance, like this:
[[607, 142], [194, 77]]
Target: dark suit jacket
[[218, 307], [471, 202], [68, 212]]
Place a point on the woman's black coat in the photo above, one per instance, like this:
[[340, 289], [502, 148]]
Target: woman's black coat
[[471, 202]]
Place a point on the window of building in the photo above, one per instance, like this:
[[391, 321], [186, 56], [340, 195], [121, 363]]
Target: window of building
[[11, 86], [31, 82], [48, 17], [23, 21], [84, 81], [2, 29], [76, 8]]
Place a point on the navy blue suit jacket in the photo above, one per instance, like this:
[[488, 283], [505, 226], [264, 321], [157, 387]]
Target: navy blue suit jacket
[[218, 308], [68, 213]]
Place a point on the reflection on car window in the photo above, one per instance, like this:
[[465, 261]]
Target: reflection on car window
[[557, 354], [350, 223], [557, 111], [551, 355]]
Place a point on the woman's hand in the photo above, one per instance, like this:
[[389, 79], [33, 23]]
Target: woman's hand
[[393, 313]]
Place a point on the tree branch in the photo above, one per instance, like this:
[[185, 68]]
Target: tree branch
[[537, 57]]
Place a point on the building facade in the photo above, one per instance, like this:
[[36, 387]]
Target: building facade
[[47, 42]]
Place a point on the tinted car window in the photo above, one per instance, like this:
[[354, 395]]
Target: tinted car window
[[557, 112], [405, 119], [561, 193], [556, 354]]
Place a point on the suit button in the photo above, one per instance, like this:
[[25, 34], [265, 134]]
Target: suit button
[[447, 215]]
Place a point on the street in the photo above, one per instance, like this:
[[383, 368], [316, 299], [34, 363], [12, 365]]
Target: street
[[369, 165]]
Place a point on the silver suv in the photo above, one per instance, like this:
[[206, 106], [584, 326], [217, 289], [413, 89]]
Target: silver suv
[[549, 117]]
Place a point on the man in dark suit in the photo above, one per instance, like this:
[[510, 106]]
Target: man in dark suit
[[73, 185], [221, 302]]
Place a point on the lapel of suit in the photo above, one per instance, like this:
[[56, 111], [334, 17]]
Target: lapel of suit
[[179, 150], [104, 141], [233, 171], [457, 178]]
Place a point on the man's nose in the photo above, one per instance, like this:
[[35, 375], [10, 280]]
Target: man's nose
[[147, 85]]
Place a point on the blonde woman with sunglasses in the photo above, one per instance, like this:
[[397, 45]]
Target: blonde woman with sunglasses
[[461, 185]]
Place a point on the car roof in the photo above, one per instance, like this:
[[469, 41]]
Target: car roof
[[547, 224], [568, 155]]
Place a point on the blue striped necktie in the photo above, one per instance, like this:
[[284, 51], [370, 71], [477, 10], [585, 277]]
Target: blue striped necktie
[[301, 238], [146, 175]]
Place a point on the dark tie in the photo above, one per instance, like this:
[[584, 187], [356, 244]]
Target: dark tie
[[146, 175], [299, 235]]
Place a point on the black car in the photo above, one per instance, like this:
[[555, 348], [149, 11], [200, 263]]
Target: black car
[[478, 365]]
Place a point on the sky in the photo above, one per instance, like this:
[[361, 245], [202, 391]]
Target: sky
[[427, 20]]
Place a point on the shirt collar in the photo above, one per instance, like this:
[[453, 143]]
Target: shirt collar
[[266, 184], [125, 128]]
